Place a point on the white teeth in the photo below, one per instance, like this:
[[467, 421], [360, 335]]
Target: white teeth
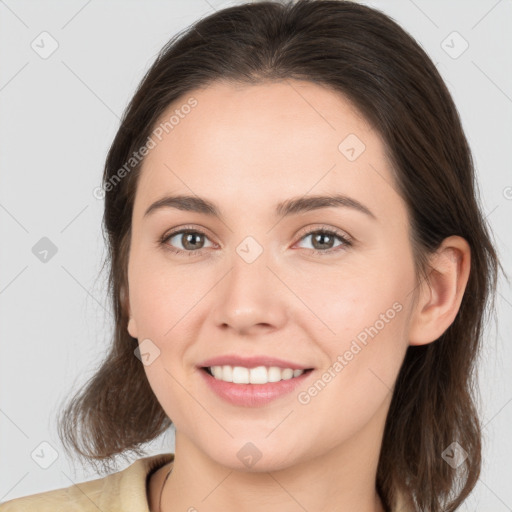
[[258, 375], [217, 371], [240, 375], [287, 373], [274, 374], [227, 373]]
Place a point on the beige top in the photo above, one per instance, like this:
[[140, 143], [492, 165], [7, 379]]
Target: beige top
[[124, 491]]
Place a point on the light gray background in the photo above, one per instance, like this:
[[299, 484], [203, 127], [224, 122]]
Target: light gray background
[[58, 118]]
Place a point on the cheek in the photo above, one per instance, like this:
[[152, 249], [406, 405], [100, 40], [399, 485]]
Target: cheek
[[362, 362], [353, 298], [161, 294], [363, 319]]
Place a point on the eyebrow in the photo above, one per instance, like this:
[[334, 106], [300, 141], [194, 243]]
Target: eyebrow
[[286, 208]]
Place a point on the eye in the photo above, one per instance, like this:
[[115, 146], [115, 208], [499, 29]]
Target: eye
[[188, 240], [323, 241], [192, 241]]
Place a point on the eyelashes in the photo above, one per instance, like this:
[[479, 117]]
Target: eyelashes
[[182, 232], [318, 234]]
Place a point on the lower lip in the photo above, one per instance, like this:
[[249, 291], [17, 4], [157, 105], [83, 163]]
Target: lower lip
[[253, 395]]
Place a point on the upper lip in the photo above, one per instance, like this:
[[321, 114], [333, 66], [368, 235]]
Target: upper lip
[[251, 362]]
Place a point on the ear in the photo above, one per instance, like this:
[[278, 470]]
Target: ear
[[441, 294], [125, 301]]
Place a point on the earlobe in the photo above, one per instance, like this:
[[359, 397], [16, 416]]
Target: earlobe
[[132, 327], [441, 294]]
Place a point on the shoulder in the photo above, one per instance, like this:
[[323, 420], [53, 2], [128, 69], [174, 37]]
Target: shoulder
[[125, 490]]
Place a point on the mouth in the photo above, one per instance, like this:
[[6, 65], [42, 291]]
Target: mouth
[[253, 387], [258, 375]]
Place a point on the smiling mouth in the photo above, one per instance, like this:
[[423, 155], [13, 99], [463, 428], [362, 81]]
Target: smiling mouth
[[258, 375]]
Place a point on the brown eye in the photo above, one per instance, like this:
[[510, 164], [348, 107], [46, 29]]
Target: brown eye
[[191, 241], [324, 241]]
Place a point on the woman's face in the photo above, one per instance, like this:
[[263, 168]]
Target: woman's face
[[258, 280]]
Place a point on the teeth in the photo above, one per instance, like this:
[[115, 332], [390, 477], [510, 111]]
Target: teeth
[[258, 375]]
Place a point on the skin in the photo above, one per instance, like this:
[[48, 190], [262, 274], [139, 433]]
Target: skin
[[246, 148]]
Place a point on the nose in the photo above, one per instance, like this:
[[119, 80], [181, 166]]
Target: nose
[[250, 299]]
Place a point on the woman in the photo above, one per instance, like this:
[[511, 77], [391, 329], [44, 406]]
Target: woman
[[299, 273]]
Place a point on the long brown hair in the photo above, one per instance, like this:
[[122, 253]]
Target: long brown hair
[[365, 56]]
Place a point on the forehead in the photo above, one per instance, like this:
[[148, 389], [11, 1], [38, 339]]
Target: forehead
[[263, 143]]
